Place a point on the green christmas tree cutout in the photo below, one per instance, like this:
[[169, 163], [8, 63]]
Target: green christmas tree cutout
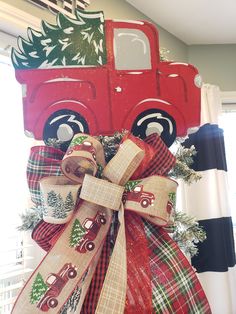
[[77, 233], [60, 208], [78, 140], [131, 185], [39, 288], [72, 42]]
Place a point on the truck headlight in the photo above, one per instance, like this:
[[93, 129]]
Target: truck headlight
[[29, 134], [198, 80]]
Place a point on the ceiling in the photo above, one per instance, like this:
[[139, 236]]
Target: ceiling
[[193, 21]]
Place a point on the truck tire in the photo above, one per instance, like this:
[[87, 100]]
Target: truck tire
[[90, 246], [145, 202], [155, 121], [52, 302], [72, 273], [62, 125], [102, 220]]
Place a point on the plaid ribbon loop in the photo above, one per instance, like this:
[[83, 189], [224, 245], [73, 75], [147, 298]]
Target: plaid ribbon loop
[[148, 196]]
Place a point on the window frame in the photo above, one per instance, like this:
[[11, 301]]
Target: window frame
[[228, 101]]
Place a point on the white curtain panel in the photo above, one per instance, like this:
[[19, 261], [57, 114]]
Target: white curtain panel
[[210, 104], [207, 200]]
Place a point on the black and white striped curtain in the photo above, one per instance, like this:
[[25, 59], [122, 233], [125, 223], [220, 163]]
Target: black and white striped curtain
[[207, 200]]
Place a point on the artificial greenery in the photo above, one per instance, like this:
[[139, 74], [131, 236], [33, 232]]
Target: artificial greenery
[[31, 218], [111, 143], [186, 232], [53, 142], [184, 159], [164, 54]]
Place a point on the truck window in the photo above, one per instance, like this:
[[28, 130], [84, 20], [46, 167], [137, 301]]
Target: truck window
[[131, 49], [51, 279], [137, 189]]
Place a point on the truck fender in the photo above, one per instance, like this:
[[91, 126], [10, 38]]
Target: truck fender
[[73, 105], [158, 104]]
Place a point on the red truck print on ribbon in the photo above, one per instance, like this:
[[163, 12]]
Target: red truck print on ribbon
[[85, 146], [140, 196], [92, 227], [133, 89], [56, 283]]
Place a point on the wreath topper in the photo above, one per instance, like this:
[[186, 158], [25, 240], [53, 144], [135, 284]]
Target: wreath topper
[[74, 255]]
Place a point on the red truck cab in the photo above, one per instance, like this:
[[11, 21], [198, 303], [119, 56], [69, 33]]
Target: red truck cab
[[92, 226], [56, 283], [140, 196], [85, 146], [134, 90]]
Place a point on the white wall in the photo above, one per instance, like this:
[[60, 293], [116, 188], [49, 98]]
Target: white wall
[[120, 9], [113, 9], [216, 63]]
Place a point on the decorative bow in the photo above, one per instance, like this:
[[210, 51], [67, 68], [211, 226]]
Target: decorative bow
[[73, 257]]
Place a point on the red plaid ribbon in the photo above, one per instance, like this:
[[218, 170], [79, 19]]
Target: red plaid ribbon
[[163, 161], [45, 234], [43, 161], [176, 288]]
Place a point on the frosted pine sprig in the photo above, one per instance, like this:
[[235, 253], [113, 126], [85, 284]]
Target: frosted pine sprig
[[184, 159], [30, 218], [187, 232]]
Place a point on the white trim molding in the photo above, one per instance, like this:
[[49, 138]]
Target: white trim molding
[[228, 97], [15, 22]]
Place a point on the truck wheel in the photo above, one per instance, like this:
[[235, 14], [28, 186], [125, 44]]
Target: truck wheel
[[72, 273], [52, 302], [102, 220], [145, 203], [62, 125], [155, 121], [90, 246]]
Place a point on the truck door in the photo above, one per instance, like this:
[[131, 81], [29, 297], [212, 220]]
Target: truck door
[[134, 77]]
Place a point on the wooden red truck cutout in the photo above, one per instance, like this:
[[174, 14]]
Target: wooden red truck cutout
[[92, 227], [56, 283], [133, 89]]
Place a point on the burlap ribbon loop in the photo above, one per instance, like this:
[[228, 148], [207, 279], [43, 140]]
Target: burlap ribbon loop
[[121, 167], [83, 156], [101, 192]]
